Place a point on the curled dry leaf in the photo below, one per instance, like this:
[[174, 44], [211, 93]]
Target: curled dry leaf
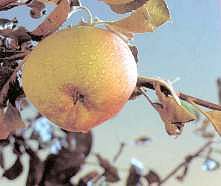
[[14, 171], [19, 34], [142, 140], [215, 119], [145, 19], [111, 173], [152, 178], [4, 129], [6, 4], [10, 120], [173, 114], [13, 118], [4, 143], [87, 178], [54, 20], [36, 167], [83, 142], [59, 168], [134, 176], [213, 116]]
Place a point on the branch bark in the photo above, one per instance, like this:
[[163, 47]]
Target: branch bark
[[143, 82]]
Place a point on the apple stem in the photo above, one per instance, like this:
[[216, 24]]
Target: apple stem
[[86, 10], [77, 97], [100, 21]]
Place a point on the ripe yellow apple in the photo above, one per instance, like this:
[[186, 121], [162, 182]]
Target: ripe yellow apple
[[80, 77]]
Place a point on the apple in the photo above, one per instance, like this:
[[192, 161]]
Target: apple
[[80, 77]]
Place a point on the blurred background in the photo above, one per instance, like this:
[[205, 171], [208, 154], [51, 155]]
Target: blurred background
[[187, 47]]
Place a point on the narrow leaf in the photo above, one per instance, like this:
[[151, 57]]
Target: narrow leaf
[[111, 172], [13, 119], [2, 162], [146, 18], [14, 171], [213, 116], [54, 20], [152, 178], [173, 114]]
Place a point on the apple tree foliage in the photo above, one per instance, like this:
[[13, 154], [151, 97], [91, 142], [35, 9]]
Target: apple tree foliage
[[68, 151]]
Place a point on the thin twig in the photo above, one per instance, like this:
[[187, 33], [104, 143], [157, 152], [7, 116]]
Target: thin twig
[[187, 160], [143, 82], [119, 152], [199, 101]]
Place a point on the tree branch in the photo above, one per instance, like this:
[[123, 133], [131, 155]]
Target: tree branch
[[144, 82], [187, 160], [119, 152]]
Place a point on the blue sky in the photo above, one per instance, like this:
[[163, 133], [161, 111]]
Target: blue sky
[[187, 47]]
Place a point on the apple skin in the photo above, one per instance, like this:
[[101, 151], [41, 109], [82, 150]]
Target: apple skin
[[80, 77]]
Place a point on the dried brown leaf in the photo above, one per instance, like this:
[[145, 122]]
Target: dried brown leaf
[[152, 178], [90, 176], [4, 129], [80, 141], [10, 120], [6, 4], [36, 168], [146, 18], [5, 88], [54, 20], [111, 172], [14, 171], [173, 114], [59, 168], [2, 162], [4, 143], [133, 177], [142, 140], [215, 118], [13, 119]]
